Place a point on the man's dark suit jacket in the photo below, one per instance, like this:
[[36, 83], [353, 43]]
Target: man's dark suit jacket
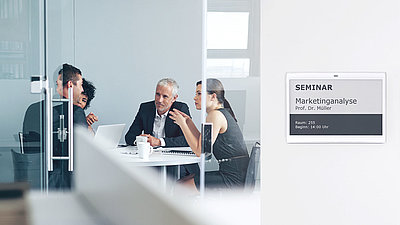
[[144, 120]]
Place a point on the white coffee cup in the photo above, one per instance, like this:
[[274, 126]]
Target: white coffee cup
[[140, 139], [144, 150]]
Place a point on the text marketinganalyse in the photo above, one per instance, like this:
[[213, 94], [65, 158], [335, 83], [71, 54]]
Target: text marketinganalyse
[[326, 101]]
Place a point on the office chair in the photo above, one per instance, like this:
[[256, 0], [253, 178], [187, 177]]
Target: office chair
[[253, 168], [27, 168]]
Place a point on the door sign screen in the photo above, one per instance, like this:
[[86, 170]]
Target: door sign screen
[[336, 107]]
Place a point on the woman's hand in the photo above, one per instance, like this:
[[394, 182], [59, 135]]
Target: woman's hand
[[91, 118], [178, 117], [182, 113]]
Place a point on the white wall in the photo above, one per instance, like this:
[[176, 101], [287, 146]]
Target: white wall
[[125, 47], [329, 184]]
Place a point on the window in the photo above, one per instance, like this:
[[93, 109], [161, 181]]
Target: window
[[228, 67], [227, 30], [232, 38]]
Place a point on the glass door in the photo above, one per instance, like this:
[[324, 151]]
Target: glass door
[[37, 38], [230, 80], [22, 75]]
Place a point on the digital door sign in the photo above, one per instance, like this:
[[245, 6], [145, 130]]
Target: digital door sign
[[336, 107]]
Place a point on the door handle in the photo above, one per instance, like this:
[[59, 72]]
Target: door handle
[[70, 129], [49, 128], [62, 133]]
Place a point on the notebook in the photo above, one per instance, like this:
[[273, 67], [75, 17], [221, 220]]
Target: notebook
[[109, 135], [177, 151]]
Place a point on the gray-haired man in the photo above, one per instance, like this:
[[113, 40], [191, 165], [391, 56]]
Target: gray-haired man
[[153, 118]]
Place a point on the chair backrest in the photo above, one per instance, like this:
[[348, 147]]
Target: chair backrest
[[32, 128], [21, 142], [27, 168], [253, 168]]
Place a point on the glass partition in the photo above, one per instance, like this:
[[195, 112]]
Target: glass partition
[[39, 36], [232, 77]]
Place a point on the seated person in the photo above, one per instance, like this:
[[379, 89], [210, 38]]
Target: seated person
[[152, 119], [86, 97], [34, 119], [34, 122], [227, 139], [69, 76]]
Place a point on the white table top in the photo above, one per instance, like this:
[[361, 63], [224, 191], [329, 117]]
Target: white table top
[[155, 159]]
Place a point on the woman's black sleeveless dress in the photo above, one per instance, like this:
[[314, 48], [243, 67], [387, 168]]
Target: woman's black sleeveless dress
[[231, 152]]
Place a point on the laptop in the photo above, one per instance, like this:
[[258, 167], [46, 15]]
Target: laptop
[[109, 135]]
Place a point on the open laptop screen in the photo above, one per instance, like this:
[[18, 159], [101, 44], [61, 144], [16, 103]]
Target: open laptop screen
[[109, 135]]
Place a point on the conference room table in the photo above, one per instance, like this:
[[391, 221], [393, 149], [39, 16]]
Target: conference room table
[[130, 155]]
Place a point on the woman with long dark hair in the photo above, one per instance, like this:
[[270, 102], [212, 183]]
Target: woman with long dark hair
[[85, 98], [227, 139]]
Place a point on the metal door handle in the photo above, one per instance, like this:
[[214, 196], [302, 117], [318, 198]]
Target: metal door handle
[[49, 126], [61, 131], [70, 129]]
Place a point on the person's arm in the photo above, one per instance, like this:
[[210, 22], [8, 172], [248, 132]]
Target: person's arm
[[179, 140], [190, 123], [136, 128], [192, 138], [192, 135], [192, 127]]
